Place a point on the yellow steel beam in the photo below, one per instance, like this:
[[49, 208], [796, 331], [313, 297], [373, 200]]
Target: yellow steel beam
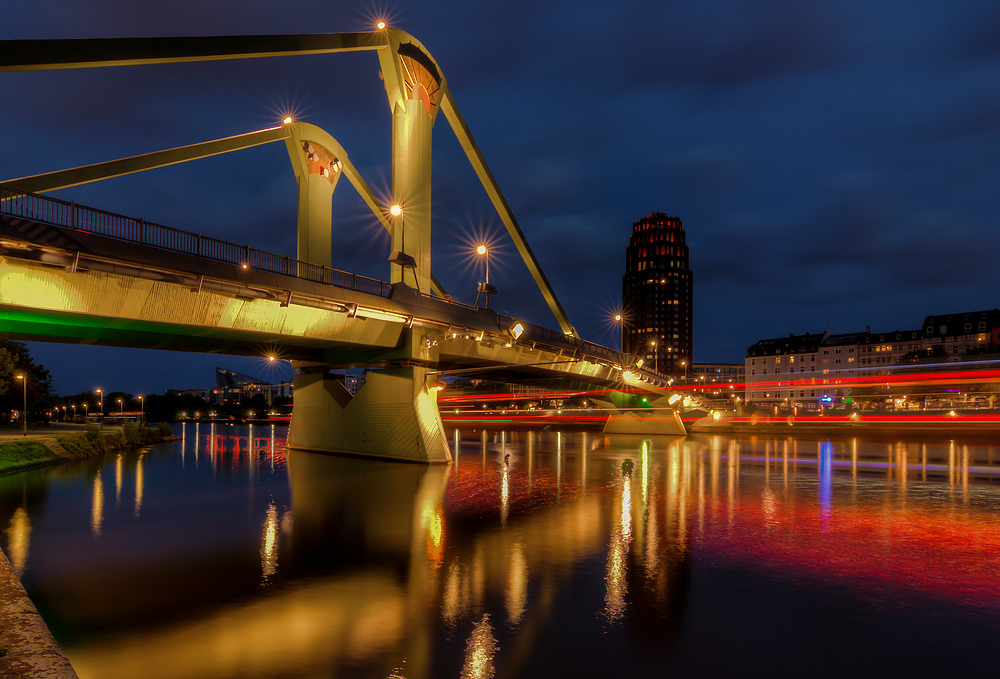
[[475, 156], [41, 55], [34, 55], [62, 179]]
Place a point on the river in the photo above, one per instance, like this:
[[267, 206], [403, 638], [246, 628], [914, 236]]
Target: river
[[535, 554]]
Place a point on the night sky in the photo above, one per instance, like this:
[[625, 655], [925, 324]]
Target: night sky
[[835, 164]]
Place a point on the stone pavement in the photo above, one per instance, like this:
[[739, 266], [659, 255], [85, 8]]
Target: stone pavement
[[31, 652]]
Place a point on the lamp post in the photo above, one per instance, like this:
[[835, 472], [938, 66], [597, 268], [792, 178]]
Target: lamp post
[[655, 365], [620, 320], [24, 413], [121, 410], [101, 394], [400, 257], [485, 288], [685, 366], [142, 410], [74, 412]]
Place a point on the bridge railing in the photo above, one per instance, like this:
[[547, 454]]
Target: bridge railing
[[552, 338], [67, 214]]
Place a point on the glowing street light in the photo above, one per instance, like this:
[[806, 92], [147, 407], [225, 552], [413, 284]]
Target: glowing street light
[[101, 394], [400, 257], [485, 288], [24, 413], [142, 409], [620, 320], [381, 25], [121, 409], [655, 364]]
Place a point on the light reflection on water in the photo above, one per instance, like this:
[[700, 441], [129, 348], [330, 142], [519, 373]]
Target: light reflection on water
[[534, 554]]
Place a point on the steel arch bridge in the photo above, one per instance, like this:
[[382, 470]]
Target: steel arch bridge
[[398, 415]]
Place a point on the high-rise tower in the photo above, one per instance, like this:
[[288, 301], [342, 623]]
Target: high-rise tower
[[656, 294]]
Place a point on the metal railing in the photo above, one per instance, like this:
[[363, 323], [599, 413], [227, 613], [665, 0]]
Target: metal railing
[[69, 215], [558, 340]]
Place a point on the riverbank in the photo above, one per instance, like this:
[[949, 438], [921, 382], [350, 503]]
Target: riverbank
[[27, 648], [56, 443]]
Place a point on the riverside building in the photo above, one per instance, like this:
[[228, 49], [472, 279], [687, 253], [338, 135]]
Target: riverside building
[[656, 295], [809, 370]]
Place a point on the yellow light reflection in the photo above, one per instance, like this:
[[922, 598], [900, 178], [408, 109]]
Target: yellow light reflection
[[432, 521], [39, 289], [505, 491], [97, 505], [451, 604], [269, 545], [18, 539], [138, 486], [517, 584], [480, 651], [616, 584], [119, 472]]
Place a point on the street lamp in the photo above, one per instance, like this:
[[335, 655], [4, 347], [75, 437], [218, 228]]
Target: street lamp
[[400, 257], [620, 320], [655, 365], [101, 394], [24, 413], [684, 365], [142, 410], [121, 409], [485, 288]]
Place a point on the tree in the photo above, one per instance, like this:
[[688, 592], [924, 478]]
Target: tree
[[8, 365], [15, 359]]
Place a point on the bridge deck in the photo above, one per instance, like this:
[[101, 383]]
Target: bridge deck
[[61, 235]]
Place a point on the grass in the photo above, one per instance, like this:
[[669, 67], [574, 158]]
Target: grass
[[15, 455], [18, 454]]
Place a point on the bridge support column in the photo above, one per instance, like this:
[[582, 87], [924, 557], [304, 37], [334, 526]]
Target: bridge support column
[[394, 416], [316, 171], [411, 188]]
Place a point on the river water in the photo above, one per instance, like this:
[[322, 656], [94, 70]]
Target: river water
[[535, 554]]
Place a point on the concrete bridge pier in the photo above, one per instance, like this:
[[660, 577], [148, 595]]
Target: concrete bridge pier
[[648, 415], [393, 416]]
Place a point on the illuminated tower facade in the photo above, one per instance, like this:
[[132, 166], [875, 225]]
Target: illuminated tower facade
[[656, 294]]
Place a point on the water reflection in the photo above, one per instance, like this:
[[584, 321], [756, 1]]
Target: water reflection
[[479, 653], [269, 545], [97, 505], [269, 563], [18, 540]]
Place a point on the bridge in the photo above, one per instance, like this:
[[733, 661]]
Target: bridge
[[77, 274]]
